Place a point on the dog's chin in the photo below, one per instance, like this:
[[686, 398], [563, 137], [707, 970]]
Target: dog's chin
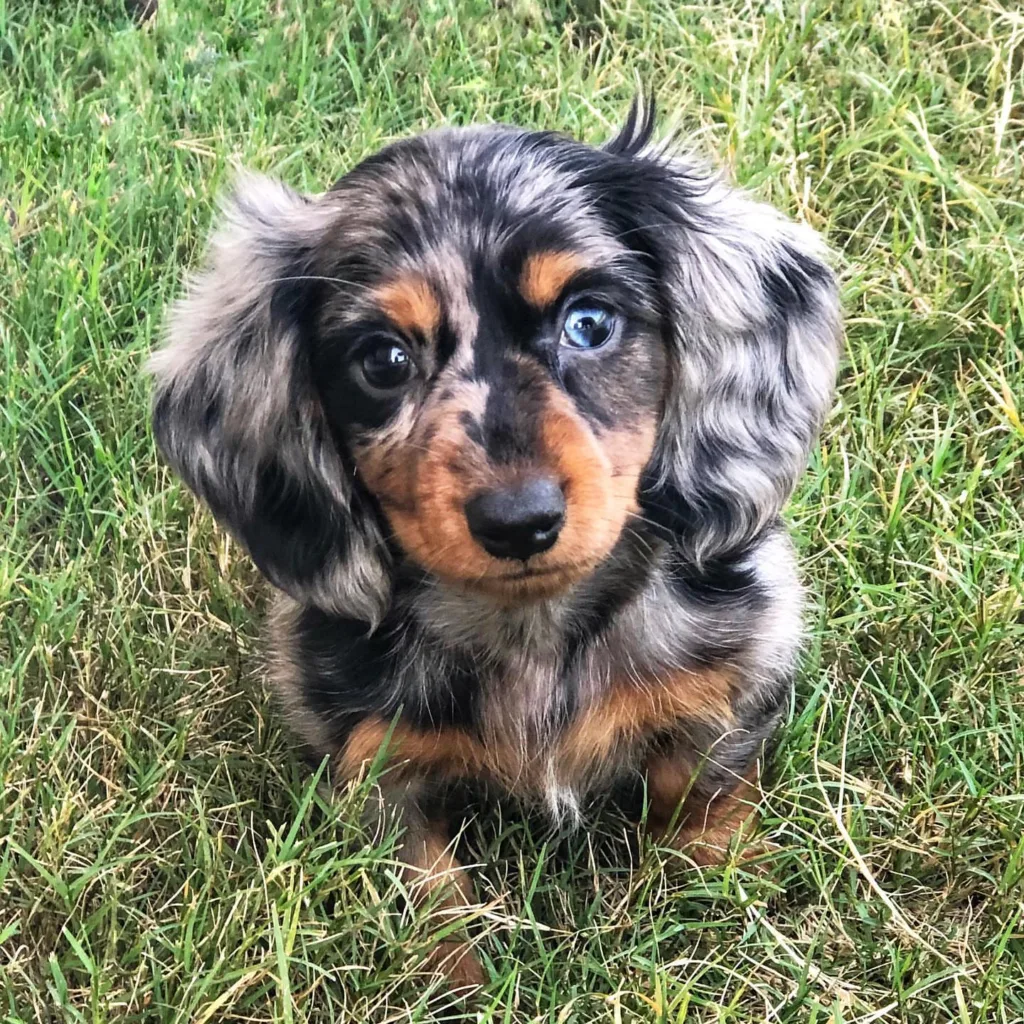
[[526, 588], [524, 585]]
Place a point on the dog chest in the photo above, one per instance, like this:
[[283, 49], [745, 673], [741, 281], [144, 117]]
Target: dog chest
[[547, 757]]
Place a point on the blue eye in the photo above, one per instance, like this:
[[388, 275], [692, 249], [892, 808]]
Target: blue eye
[[587, 326]]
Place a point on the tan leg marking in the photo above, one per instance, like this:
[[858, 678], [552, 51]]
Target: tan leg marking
[[431, 869], [431, 873], [706, 826]]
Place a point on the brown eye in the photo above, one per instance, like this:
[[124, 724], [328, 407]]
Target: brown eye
[[386, 366]]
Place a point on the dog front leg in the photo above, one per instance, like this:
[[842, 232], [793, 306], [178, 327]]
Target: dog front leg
[[432, 874], [708, 805]]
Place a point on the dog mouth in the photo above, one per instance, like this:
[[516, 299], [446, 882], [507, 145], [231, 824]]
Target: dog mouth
[[531, 573], [527, 584]]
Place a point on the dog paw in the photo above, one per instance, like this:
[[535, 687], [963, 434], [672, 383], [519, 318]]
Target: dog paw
[[458, 964], [748, 853]]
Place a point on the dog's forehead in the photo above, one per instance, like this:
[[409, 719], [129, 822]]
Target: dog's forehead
[[460, 204]]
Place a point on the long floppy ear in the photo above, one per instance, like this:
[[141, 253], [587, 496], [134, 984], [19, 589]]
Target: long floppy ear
[[236, 414], [754, 329]]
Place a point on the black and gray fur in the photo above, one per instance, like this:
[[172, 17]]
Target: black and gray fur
[[731, 342]]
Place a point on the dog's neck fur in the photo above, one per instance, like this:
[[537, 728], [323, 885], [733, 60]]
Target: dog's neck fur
[[538, 630]]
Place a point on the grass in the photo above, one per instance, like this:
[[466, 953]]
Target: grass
[[162, 855]]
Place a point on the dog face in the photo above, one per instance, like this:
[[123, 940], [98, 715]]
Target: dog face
[[493, 364], [486, 352]]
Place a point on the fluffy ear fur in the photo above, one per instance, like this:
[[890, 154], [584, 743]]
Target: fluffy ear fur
[[752, 312], [236, 414]]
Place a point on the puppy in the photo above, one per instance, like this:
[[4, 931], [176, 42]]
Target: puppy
[[509, 421]]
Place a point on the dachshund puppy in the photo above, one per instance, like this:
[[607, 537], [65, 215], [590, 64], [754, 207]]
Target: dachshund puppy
[[509, 421]]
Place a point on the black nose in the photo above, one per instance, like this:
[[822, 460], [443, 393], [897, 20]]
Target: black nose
[[518, 521]]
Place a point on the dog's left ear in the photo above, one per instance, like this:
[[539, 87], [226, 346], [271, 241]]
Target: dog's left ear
[[237, 414], [752, 318]]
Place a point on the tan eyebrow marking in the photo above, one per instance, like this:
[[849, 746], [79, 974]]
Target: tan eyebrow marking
[[411, 305], [545, 275]]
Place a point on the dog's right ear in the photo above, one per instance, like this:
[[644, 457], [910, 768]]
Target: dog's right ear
[[236, 414]]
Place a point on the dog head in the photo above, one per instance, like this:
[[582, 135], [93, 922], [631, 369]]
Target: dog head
[[487, 351]]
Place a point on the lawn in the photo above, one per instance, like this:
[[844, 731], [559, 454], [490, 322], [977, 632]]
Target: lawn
[[163, 854]]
